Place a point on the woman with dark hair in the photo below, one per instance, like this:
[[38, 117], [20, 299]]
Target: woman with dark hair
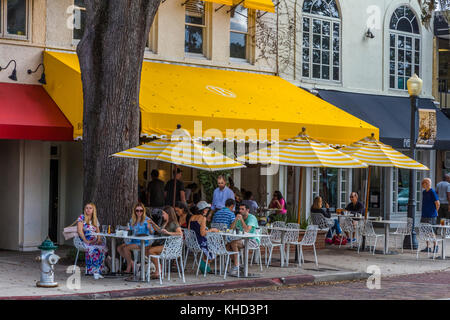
[[198, 224], [169, 227], [317, 208], [279, 203], [183, 214]]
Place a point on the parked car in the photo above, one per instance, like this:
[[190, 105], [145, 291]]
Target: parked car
[[402, 200]]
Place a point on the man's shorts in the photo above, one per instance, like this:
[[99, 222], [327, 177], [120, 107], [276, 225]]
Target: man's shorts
[[443, 211]]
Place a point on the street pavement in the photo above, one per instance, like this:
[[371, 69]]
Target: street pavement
[[426, 286]]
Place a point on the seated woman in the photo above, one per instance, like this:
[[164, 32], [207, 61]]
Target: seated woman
[[277, 202], [169, 227], [183, 214], [198, 224], [94, 245], [140, 224], [317, 208]]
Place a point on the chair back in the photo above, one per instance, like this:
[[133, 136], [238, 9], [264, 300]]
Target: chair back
[[190, 239], [319, 220], [347, 225], [426, 232], [279, 224], [216, 244], [291, 236], [220, 226], [292, 225], [446, 231], [78, 243], [310, 235], [368, 229], [173, 248]]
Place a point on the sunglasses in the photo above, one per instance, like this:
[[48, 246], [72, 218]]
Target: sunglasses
[[138, 210]]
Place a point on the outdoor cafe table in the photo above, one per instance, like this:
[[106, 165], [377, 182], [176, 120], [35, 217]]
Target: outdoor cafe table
[[245, 237], [387, 223], [283, 231], [443, 239], [114, 236]]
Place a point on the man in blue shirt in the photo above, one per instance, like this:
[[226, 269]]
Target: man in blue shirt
[[221, 194], [430, 206], [226, 214]]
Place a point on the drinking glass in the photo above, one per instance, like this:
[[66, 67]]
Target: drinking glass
[[104, 228]]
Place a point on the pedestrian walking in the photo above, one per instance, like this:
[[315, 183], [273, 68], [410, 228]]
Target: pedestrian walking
[[443, 191], [430, 206]]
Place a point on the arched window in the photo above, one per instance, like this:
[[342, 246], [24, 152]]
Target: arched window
[[321, 40], [404, 48]]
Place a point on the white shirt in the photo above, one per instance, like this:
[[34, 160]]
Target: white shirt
[[441, 189]]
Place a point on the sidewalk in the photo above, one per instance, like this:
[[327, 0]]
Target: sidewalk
[[19, 274]]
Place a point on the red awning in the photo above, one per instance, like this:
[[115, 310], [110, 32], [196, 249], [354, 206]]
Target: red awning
[[27, 112]]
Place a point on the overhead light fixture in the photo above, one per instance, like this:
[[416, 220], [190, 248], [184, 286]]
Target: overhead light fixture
[[13, 75], [369, 34], [42, 79]]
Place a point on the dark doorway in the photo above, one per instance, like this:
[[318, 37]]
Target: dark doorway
[[53, 203]]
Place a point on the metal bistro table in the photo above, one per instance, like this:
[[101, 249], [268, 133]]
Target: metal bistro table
[[245, 237], [387, 223], [114, 236], [284, 255], [443, 239]]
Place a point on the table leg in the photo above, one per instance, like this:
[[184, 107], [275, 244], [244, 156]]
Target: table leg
[[386, 237], [283, 248], [246, 257], [113, 255], [142, 260], [443, 247]]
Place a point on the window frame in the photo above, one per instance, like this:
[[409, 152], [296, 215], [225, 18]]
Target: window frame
[[205, 32], [76, 41], [152, 39], [4, 22], [332, 21], [249, 37], [414, 36]]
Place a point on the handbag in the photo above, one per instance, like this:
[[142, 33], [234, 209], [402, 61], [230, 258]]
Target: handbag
[[71, 231]]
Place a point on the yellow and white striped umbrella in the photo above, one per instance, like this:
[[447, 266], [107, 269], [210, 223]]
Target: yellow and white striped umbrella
[[184, 152], [302, 151], [376, 153]]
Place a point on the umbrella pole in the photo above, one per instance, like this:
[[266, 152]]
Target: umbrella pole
[[299, 212], [368, 192]]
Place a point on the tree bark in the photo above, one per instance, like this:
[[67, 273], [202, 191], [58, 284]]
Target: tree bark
[[111, 53]]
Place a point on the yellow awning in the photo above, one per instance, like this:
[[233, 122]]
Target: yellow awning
[[214, 104], [263, 5]]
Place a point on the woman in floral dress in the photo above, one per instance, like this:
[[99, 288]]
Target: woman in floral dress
[[95, 247]]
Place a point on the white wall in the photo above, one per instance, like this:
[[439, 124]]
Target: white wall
[[364, 61]]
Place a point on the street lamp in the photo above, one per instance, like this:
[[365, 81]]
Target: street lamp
[[414, 88]]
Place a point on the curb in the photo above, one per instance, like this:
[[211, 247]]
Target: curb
[[190, 289]]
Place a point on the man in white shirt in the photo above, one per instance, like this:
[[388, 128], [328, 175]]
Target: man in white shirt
[[443, 191]]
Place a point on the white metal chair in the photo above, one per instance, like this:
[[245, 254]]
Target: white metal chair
[[190, 240], [347, 228], [275, 235], [402, 231], [172, 250], [323, 223], [216, 246], [291, 237], [426, 234], [369, 233], [292, 225], [78, 243], [279, 224], [309, 239], [257, 249], [267, 244]]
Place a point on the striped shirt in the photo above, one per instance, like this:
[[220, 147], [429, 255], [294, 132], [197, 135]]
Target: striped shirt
[[224, 215]]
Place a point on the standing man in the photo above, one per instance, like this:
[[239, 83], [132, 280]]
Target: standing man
[[443, 191], [430, 206], [155, 191], [221, 194], [169, 189]]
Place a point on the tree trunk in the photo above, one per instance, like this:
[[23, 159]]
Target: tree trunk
[[111, 54]]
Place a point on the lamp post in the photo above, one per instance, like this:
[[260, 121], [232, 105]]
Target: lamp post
[[414, 88]]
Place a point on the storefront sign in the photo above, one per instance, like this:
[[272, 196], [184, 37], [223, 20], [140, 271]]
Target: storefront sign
[[427, 128]]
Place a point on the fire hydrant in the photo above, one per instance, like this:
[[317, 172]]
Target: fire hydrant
[[48, 260]]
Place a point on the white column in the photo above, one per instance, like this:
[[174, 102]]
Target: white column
[[269, 188], [282, 180], [237, 178], [307, 192]]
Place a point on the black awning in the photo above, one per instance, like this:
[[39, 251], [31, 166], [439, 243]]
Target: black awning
[[390, 114]]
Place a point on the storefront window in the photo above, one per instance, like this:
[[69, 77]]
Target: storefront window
[[331, 185], [13, 18], [238, 32]]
